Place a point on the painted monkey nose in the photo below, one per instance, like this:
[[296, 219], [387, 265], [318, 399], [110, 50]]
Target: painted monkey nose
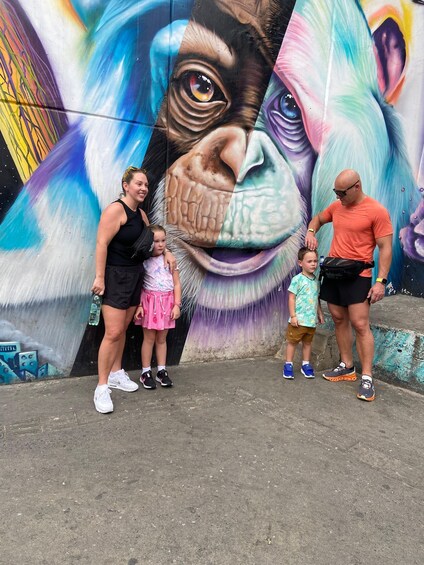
[[234, 150], [256, 155]]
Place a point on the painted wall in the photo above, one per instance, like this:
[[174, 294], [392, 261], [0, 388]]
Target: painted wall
[[243, 113]]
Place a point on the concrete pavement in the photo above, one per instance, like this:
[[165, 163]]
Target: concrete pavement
[[233, 465]]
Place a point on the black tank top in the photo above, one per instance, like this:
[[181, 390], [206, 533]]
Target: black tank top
[[119, 251]]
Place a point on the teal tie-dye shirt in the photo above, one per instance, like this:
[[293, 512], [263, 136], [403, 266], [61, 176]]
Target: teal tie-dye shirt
[[306, 291]]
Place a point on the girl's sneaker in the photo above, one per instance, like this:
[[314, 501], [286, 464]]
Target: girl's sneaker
[[288, 371], [147, 380], [163, 378], [307, 371]]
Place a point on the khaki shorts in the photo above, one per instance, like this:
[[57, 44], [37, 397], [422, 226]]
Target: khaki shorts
[[300, 334]]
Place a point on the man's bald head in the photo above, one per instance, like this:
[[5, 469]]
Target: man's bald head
[[347, 178]]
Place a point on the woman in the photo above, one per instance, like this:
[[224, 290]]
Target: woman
[[119, 276]]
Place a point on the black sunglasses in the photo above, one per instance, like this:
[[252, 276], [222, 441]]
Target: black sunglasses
[[342, 193]]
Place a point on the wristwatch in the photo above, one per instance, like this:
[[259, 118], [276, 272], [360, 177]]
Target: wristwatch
[[311, 230], [380, 280]]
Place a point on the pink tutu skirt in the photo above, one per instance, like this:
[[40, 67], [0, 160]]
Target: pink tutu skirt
[[157, 308]]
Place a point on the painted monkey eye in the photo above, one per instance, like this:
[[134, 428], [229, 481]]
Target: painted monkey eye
[[198, 97], [200, 87], [288, 106], [284, 120]]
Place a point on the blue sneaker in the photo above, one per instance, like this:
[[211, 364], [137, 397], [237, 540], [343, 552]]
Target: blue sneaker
[[288, 371], [307, 371]]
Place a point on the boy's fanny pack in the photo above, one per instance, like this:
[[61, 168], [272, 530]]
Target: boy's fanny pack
[[341, 269]]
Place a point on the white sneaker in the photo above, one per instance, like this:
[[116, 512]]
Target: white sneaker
[[121, 380], [102, 400]]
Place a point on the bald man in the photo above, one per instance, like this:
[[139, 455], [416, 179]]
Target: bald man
[[360, 224]]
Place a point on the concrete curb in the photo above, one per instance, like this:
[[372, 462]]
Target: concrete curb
[[397, 323]]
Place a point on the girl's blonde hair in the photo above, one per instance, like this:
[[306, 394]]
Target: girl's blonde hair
[[157, 228]]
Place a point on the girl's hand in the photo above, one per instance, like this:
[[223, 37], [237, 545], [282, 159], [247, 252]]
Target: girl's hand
[[139, 313], [98, 286], [321, 318], [176, 312], [294, 322]]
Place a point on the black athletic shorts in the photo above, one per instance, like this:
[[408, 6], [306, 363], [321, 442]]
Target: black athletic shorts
[[123, 286], [345, 292]]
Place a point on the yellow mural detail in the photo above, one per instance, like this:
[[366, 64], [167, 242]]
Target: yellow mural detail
[[25, 120], [400, 11], [402, 15], [69, 9]]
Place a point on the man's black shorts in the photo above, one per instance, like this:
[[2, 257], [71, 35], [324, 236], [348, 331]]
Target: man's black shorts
[[345, 292], [123, 286]]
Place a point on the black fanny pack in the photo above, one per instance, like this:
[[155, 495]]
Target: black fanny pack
[[143, 247], [339, 269]]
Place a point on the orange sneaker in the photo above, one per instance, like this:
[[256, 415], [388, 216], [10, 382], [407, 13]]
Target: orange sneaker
[[366, 390], [340, 373]]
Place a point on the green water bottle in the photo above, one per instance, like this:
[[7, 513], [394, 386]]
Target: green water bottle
[[95, 309]]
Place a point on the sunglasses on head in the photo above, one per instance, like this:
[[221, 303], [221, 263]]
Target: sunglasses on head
[[138, 169], [342, 193]]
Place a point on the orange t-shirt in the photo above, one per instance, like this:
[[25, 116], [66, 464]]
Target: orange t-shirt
[[356, 229]]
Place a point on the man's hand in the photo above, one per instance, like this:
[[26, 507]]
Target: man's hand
[[314, 225], [376, 293], [311, 241]]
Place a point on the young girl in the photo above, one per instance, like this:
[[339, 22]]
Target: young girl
[[160, 306]]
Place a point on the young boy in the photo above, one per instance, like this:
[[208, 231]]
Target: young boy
[[304, 308]]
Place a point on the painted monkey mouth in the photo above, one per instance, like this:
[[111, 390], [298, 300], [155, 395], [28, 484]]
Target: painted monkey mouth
[[227, 262]]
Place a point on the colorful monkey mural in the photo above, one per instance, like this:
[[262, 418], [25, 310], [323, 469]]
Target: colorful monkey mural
[[243, 113]]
